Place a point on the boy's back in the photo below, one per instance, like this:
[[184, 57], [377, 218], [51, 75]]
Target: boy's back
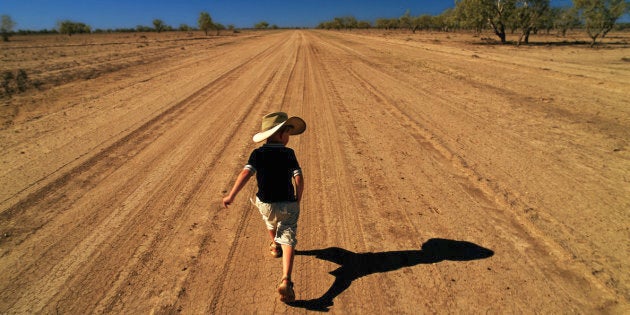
[[275, 165]]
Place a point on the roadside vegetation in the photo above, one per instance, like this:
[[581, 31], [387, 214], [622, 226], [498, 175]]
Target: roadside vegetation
[[69, 27], [523, 17], [527, 17], [14, 82], [6, 27]]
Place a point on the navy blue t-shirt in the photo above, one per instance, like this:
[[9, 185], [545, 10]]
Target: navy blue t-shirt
[[275, 166]]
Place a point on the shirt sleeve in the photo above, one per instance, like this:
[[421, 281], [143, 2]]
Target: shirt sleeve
[[294, 166], [252, 162]]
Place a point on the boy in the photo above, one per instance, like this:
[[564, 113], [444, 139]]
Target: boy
[[277, 199]]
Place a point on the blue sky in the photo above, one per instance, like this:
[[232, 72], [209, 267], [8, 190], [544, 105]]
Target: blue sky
[[44, 14]]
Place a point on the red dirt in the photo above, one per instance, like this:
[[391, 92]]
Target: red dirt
[[441, 174]]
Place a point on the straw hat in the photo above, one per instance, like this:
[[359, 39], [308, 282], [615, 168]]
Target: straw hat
[[274, 121]]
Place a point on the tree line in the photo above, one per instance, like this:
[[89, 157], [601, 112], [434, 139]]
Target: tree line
[[596, 17], [68, 27]]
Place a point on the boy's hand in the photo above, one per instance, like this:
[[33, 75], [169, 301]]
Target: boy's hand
[[242, 179], [227, 201]]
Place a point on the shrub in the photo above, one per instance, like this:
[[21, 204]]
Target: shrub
[[12, 83], [7, 78], [21, 80]]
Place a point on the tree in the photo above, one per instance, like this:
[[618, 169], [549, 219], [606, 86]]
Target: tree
[[469, 15], [184, 28], [261, 25], [567, 18], [219, 27], [6, 27], [158, 25], [423, 22], [350, 22], [205, 22], [364, 24], [448, 20], [599, 16], [70, 27], [406, 21], [528, 16], [338, 23], [548, 18], [496, 13], [387, 23], [142, 28]]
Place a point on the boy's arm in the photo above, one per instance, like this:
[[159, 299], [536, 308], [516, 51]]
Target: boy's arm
[[299, 186], [242, 179]]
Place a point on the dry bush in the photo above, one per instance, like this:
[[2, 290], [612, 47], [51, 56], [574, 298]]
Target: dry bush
[[12, 83]]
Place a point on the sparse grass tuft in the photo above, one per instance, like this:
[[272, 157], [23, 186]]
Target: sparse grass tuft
[[7, 78], [12, 83], [21, 80]]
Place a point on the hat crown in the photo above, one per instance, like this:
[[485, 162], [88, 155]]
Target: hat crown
[[273, 119], [271, 123]]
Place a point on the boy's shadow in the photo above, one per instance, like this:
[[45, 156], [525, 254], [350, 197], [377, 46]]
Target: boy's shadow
[[353, 266]]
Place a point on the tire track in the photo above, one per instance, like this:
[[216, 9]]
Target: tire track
[[206, 180], [159, 237], [218, 284], [261, 99], [135, 142], [86, 126], [428, 140], [190, 196], [487, 193], [366, 204], [167, 114], [278, 90]]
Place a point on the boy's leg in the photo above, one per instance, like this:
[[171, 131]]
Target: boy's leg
[[272, 233], [287, 229], [274, 248], [287, 261], [286, 285]]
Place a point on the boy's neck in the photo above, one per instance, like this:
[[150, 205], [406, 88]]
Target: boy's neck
[[275, 142]]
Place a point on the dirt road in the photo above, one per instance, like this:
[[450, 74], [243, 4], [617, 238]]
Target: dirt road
[[441, 176]]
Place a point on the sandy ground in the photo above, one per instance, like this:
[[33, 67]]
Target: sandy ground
[[443, 174]]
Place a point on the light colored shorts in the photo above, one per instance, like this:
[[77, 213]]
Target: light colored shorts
[[283, 217]]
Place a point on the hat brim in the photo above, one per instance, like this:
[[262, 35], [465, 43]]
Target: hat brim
[[298, 124], [261, 136]]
